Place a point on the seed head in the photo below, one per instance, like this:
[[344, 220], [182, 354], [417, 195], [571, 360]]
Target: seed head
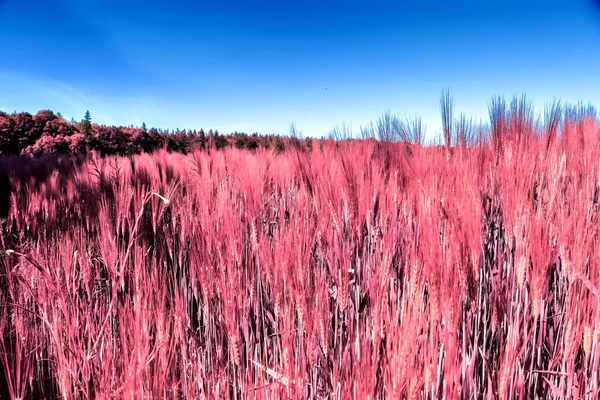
[[587, 340]]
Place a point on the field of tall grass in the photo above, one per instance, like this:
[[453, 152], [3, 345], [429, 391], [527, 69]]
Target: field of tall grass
[[360, 270]]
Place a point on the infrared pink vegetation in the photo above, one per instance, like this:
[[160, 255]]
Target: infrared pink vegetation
[[359, 270]]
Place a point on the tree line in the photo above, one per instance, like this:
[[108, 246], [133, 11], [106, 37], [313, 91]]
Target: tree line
[[47, 132]]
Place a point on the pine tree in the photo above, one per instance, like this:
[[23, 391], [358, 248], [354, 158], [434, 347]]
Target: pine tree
[[86, 125], [202, 138]]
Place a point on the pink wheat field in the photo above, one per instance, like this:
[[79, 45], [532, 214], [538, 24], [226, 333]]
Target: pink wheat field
[[359, 270]]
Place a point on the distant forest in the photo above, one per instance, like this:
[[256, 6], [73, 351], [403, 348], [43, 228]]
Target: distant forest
[[47, 132]]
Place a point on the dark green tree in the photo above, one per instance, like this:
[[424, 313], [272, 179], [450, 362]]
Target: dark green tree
[[201, 139], [86, 125]]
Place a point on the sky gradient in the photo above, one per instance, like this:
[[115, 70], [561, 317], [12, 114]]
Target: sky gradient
[[259, 66]]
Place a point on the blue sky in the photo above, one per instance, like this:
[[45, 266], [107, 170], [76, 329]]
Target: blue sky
[[261, 65]]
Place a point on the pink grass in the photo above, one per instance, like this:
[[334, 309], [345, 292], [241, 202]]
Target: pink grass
[[359, 270]]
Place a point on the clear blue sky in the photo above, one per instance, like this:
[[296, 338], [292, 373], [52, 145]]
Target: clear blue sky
[[260, 65]]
